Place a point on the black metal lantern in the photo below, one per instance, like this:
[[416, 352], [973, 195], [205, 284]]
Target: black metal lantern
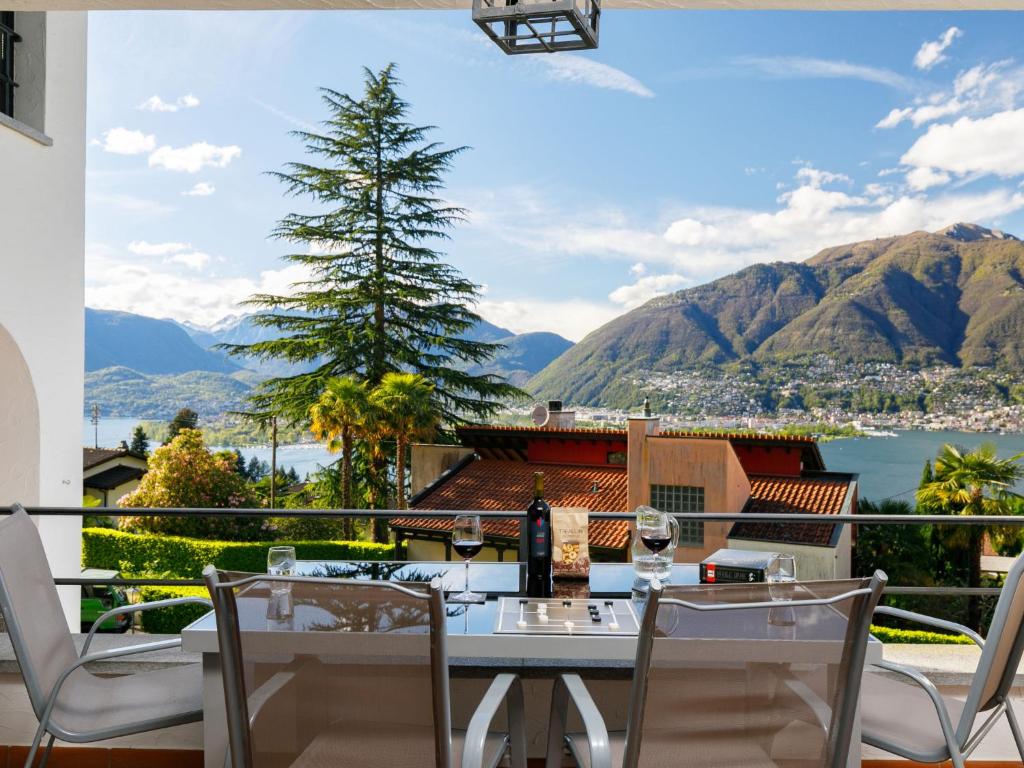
[[539, 26]]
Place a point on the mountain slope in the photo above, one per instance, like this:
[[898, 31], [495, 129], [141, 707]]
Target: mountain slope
[[123, 392], [146, 345], [955, 296], [526, 353]]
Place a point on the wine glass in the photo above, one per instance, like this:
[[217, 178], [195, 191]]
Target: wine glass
[[781, 575], [468, 540], [657, 529], [280, 562]]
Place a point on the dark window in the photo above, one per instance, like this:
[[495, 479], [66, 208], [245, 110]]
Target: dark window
[[679, 499], [7, 40]]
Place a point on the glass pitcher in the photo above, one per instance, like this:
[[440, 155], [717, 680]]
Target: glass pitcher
[[653, 558]]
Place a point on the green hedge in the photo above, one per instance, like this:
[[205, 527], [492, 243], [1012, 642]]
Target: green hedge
[[170, 621], [186, 558], [917, 637]]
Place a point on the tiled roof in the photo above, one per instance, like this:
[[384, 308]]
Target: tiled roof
[[760, 437], [109, 479], [794, 495], [543, 431], [508, 485], [93, 456]]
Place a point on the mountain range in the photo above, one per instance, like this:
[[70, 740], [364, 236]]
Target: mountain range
[[955, 297], [145, 367]]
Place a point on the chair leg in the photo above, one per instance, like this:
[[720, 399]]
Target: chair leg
[[1018, 735], [46, 752], [35, 744]]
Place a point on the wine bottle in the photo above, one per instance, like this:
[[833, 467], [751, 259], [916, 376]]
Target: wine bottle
[[538, 520]]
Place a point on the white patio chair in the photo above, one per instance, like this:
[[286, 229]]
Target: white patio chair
[[794, 707], [906, 715], [72, 703], [375, 692]]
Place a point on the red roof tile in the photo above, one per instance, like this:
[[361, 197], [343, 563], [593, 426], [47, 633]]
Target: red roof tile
[[793, 495], [508, 485]]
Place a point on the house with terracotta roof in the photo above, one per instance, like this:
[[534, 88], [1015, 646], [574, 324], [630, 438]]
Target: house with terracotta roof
[[110, 473], [609, 470]]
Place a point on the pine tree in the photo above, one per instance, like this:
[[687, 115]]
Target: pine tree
[[140, 442], [379, 298], [186, 418], [927, 476]]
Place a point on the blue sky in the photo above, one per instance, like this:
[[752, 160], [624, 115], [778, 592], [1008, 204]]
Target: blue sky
[[689, 145]]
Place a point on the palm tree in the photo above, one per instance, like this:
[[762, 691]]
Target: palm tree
[[407, 411], [340, 416], [974, 482]]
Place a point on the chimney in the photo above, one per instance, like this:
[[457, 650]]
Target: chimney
[[559, 419]]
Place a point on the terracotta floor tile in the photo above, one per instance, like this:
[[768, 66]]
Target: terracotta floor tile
[[65, 757], [155, 758]]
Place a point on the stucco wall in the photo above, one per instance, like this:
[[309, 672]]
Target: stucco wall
[[42, 213], [710, 464], [812, 563]]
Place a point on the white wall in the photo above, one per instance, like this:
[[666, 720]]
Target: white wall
[[42, 218], [812, 563]]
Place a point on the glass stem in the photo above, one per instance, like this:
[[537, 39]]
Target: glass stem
[[467, 575]]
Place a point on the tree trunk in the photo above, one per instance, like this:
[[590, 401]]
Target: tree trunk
[[400, 471], [974, 580], [346, 481]]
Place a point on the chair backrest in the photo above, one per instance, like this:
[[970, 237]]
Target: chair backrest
[[356, 665], [1002, 653], [730, 674], [31, 608]]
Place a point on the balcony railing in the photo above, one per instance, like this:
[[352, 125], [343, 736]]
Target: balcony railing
[[705, 517]]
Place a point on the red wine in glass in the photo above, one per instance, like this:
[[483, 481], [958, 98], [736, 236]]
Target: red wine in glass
[[467, 548], [655, 542]]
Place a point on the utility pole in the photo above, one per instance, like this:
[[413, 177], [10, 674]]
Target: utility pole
[[96, 425], [273, 461]]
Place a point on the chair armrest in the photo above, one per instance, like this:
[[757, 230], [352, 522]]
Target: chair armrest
[[929, 687], [572, 687], [920, 618], [160, 645], [140, 607], [259, 698], [822, 711], [505, 687]]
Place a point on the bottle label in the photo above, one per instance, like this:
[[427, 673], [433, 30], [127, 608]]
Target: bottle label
[[539, 539]]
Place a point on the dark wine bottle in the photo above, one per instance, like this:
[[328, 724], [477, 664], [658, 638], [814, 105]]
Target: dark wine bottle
[[538, 520]]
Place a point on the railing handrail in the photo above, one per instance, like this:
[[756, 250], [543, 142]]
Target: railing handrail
[[706, 517]]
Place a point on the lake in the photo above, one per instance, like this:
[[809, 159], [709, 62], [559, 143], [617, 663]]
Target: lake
[[888, 466]]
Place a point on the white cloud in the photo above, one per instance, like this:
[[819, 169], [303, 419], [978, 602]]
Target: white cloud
[[143, 248], [921, 179], [571, 318], [123, 141], [194, 157], [816, 177], [201, 189], [799, 67], [114, 280], [933, 51], [574, 68], [989, 145], [646, 288], [980, 90], [700, 243], [193, 259], [638, 269], [155, 104]]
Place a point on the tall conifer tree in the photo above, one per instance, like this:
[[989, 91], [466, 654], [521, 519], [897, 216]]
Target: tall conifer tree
[[378, 299]]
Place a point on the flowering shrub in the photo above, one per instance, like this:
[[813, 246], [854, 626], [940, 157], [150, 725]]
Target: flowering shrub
[[185, 473]]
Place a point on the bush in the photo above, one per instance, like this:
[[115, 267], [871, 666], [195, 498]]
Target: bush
[[186, 558], [917, 637], [308, 528], [170, 621]]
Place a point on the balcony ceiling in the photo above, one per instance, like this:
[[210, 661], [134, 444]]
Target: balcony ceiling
[[846, 5]]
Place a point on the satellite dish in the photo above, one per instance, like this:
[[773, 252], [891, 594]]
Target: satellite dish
[[540, 416]]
